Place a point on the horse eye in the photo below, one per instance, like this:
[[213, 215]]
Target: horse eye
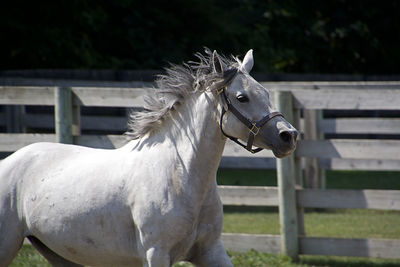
[[242, 98]]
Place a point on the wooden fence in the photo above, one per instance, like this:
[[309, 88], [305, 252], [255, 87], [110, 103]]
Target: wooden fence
[[301, 103]]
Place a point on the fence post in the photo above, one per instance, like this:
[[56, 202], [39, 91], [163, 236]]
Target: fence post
[[286, 172], [314, 175], [299, 173], [63, 115]]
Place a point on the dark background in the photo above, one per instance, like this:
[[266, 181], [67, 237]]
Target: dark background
[[336, 37]]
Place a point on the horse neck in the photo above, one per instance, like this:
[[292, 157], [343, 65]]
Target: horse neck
[[195, 141], [196, 131]]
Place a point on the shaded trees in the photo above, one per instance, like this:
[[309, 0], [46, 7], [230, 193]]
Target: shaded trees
[[359, 36]]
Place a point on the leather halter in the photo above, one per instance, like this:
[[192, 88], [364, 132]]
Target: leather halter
[[253, 126]]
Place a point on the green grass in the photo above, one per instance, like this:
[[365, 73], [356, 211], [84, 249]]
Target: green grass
[[331, 261], [253, 221], [29, 257], [354, 223], [327, 223]]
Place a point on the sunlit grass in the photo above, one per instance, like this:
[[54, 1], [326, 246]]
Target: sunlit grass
[[29, 257], [335, 223]]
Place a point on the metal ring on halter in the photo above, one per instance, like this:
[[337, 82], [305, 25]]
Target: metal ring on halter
[[257, 130], [219, 91]]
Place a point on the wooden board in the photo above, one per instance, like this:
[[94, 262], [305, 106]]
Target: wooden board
[[329, 85], [360, 126], [246, 242], [312, 198], [13, 142], [359, 164], [350, 149], [348, 199], [247, 163], [248, 195], [375, 248], [109, 96], [335, 99], [27, 95], [351, 247]]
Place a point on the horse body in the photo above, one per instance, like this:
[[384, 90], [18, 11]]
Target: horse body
[[151, 202]]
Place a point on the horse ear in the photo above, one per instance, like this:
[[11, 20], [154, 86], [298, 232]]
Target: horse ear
[[218, 65], [248, 61]]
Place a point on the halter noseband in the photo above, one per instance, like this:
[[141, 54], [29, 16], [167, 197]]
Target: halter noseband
[[253, 126]]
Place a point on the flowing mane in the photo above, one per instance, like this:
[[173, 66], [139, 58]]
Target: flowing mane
[[173, 87]]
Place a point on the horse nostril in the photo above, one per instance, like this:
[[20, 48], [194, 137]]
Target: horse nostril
[[288, 136], [285, 136]]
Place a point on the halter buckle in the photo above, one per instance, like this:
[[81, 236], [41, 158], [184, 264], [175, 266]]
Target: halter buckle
[[219, 91], [254, 129]]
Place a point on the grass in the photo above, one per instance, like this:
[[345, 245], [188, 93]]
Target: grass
[[28, 257], [326, 223], [354, 223]]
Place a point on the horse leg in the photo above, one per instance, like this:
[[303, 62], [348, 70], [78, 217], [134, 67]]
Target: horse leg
[[11, 240], [157, 258], [215, 255], [53, 258], [11, 230]]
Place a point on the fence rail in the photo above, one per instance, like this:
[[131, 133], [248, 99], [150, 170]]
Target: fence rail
[[352, 247], [313, 151], [312, 198]]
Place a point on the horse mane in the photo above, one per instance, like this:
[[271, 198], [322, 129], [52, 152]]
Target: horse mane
[[173, 87]]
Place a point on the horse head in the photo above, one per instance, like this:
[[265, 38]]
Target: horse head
[[247, 113]]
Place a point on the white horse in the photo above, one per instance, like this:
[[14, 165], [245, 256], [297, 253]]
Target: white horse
[[153, 201]]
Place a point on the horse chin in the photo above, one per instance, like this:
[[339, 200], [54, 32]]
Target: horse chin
[[277, 153], [280, 154]]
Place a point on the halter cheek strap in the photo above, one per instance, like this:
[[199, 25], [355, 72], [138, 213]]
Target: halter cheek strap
[[254, 127]]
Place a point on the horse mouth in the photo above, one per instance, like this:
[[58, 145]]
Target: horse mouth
[[277, 150], [282, 154]]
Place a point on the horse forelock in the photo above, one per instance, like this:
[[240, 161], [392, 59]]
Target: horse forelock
[[173, 87]]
